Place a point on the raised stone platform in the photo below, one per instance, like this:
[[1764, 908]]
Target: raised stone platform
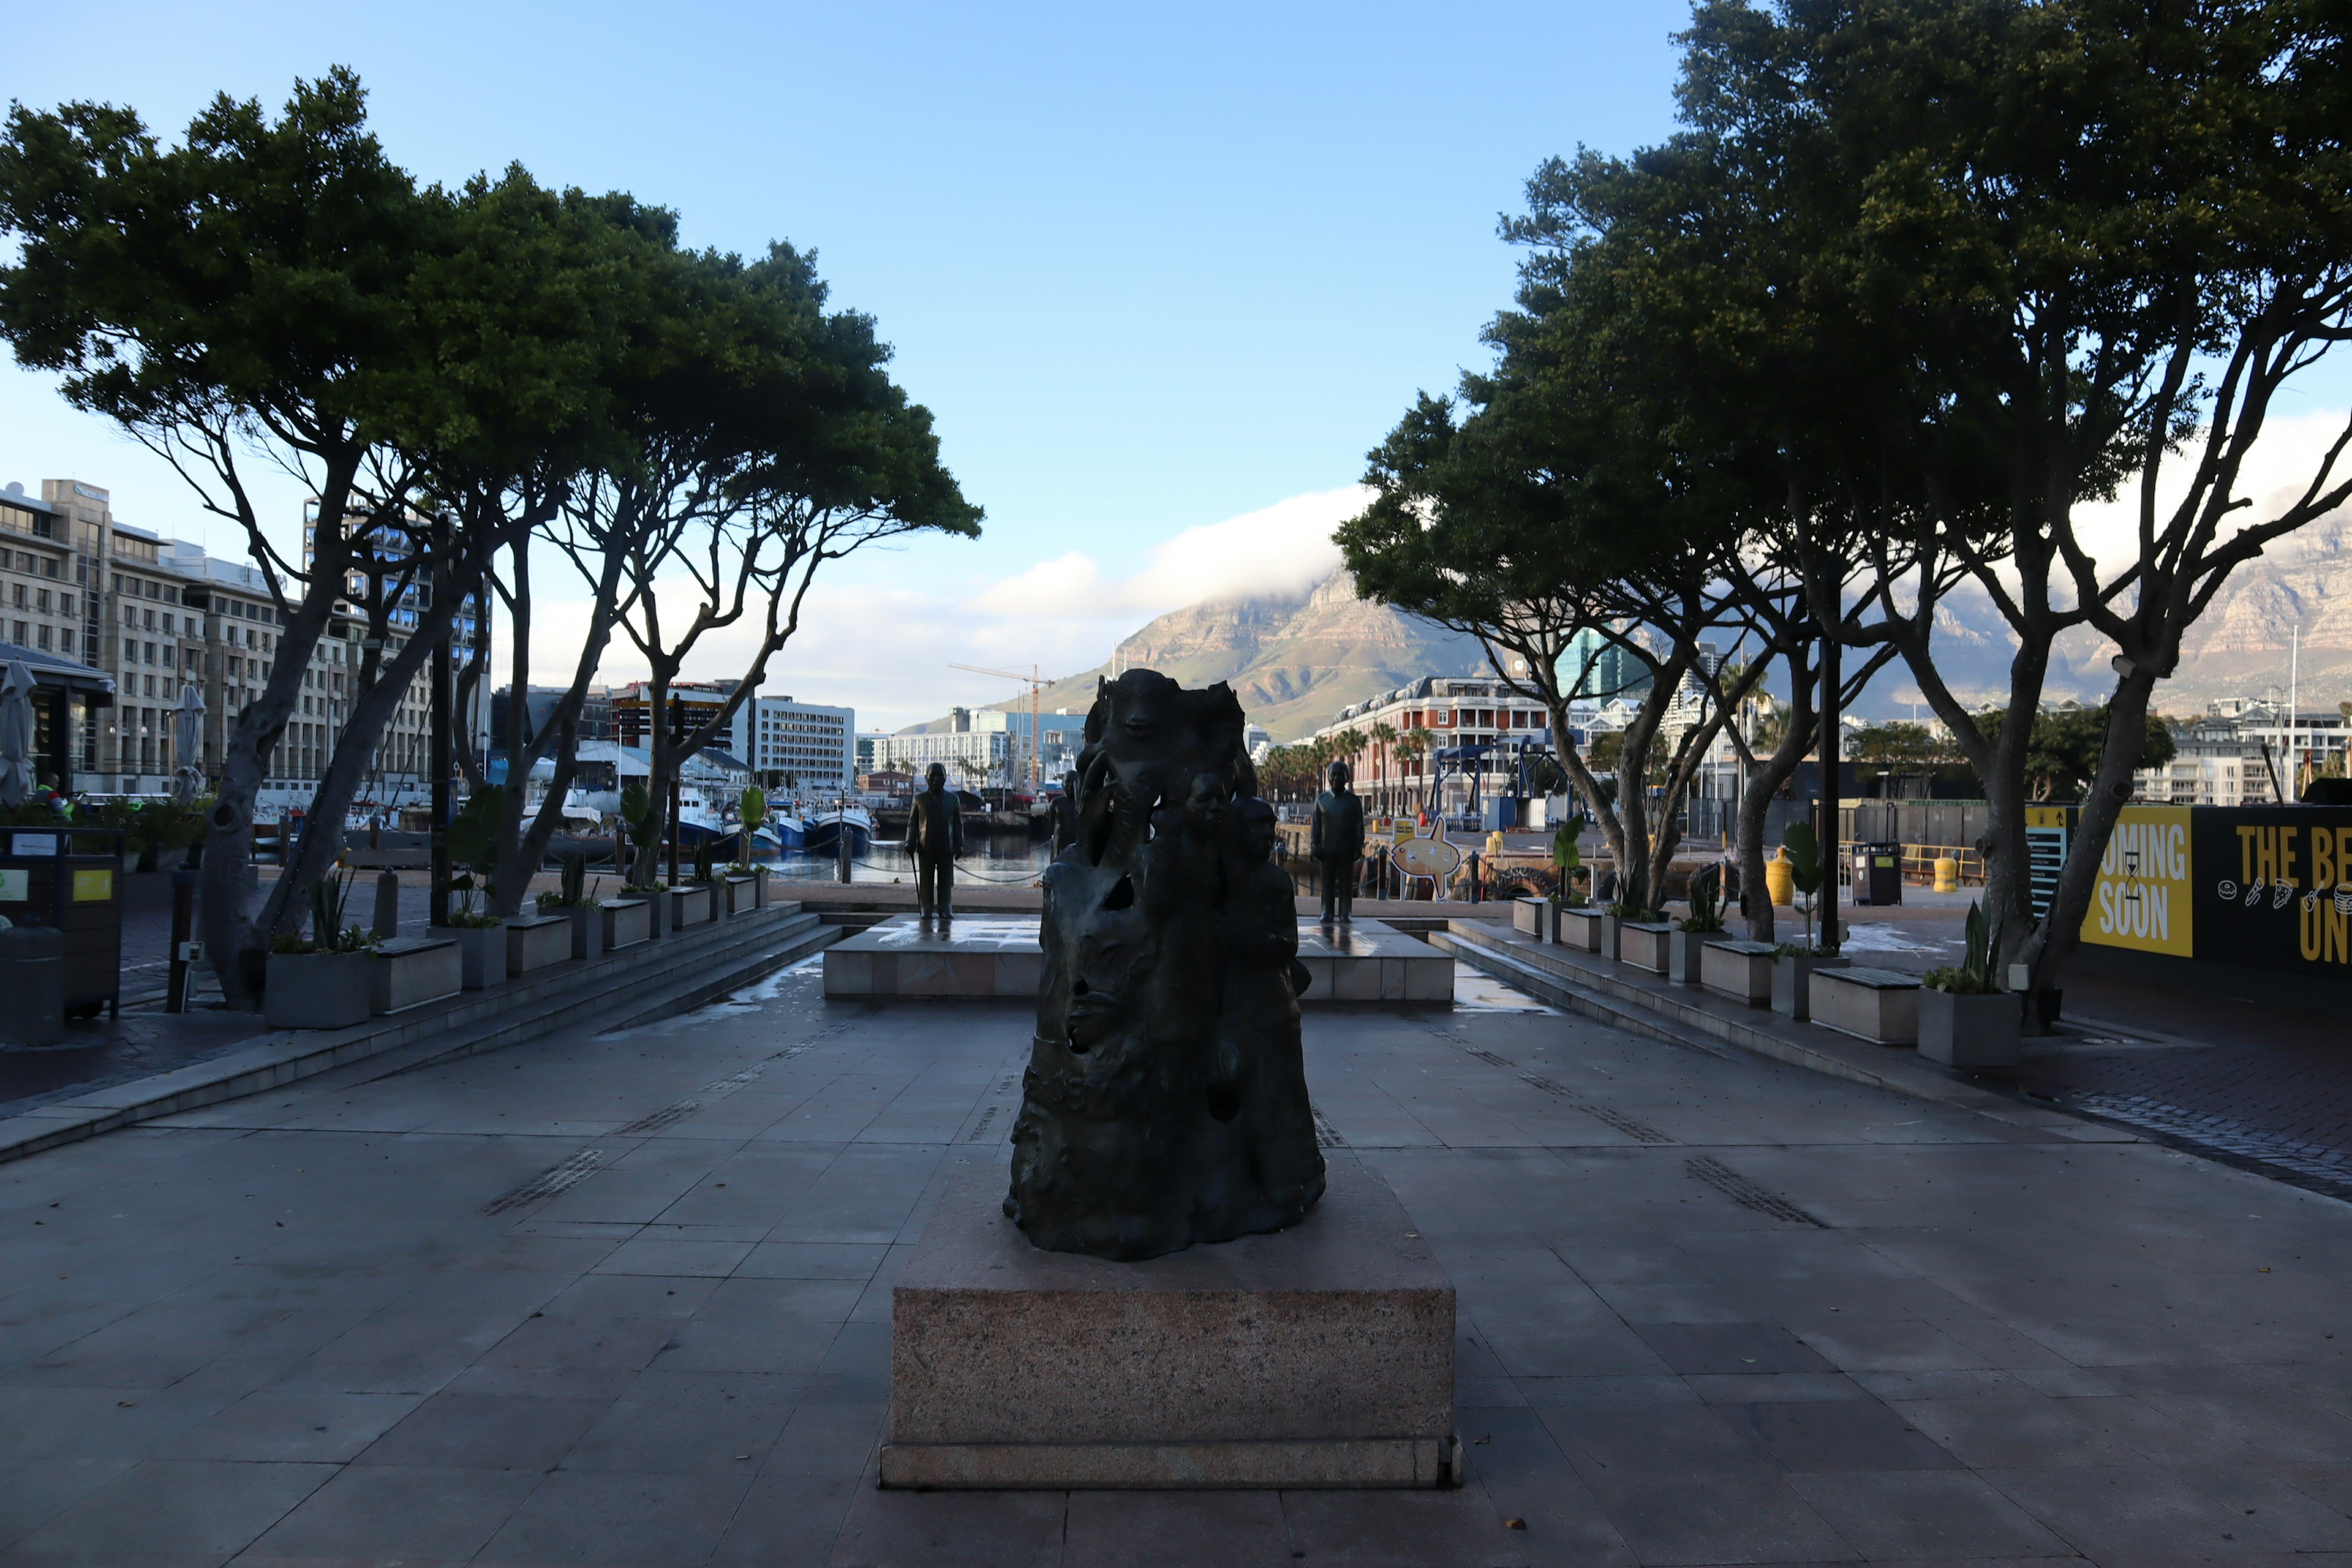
[[985, 955], [1319, 1356]]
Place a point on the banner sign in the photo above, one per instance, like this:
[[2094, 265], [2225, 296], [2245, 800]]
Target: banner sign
[[2265, 887]]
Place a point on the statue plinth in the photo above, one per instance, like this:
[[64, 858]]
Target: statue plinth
[[1318, 1356]]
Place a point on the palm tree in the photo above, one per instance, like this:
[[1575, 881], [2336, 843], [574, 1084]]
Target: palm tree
[[1384, 737]]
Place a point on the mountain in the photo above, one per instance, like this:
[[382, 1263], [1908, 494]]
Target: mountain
[[2239, 648], [1294, 659]]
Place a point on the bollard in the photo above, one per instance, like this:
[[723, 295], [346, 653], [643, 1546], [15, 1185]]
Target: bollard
[[1947, 874], [184, 924], [387, 903]]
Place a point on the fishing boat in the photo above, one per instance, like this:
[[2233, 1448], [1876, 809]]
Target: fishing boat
[[822, 832]]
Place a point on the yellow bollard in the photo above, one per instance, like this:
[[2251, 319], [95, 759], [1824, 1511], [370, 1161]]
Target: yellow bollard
[[1947, 874], [1780, 879]]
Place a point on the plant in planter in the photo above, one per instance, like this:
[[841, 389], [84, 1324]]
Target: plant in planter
[[752, 810], [1567, 860], [1965, 1020], [576, 900], [320, 981], [1804, 857], [1706, 920], [706, 861]]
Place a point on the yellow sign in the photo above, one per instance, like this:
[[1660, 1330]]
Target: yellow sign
[[2141, 901], [93, 886], [1432, 856]]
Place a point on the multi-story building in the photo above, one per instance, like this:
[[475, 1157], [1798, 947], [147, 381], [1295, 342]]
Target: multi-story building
[[975, 759], [697, 701], [2241, 752], [1478, 730], [798, 745]]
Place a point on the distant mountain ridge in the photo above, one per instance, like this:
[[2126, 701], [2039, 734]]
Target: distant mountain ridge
[[1294, 659]]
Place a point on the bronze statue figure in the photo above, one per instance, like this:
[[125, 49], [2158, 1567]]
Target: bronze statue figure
[[1336, 842], [1165, 1101], [1065, 815], [935, 838]]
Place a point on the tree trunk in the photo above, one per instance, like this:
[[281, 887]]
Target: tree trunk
[[1762, 788]]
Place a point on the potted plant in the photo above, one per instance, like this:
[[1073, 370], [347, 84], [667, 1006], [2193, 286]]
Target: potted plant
[[576, 902], [690, 903], [1793, 966], [1964, 1021], [744, 880], [643, 836], [320, 981], [1689, 939]]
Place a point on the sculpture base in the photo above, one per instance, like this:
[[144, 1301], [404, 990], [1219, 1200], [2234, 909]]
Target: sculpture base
[[1319, 1356], [998, 956]]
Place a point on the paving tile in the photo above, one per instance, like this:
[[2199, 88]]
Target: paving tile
[[1715, 1518], [1463, 1529], [1836, 1434], [1683, 1439], [951, 1530], [399, 1513], [1730, 1349], [626, 1521], [491, 1432], [1924, 1513], [787, 1520], [195, 1508], [690, 1423], [2137, 1512], [291, 1425], [1146, 1530]]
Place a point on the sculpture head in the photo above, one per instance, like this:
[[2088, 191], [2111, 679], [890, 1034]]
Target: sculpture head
[[935, 777], [1257, 828], [1342, 775], [1204, 808]]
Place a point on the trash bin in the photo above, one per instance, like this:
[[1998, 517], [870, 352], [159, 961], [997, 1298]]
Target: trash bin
[[1878, 874], [33, 978]]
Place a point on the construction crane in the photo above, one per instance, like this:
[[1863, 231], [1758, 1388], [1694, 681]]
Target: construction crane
[[1037, 684]]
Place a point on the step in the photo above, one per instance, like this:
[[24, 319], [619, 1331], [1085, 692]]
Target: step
[[1688, 1017], [725, 955]]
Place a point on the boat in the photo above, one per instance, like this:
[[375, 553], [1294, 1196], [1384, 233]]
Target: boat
[[823, 830]]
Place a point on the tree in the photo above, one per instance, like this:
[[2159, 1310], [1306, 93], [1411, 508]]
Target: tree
[[2083, 248], [2070, 744], [774, 442], [250, 297]]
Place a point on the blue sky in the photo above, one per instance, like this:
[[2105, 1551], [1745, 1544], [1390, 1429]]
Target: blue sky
[[1153, 269]]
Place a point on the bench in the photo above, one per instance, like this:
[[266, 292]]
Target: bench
[[1742, 969], [1645, 944], [1881, 1005]]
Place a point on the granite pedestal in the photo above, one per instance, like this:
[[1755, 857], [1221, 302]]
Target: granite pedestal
[[998, 955], [1319, 1356]]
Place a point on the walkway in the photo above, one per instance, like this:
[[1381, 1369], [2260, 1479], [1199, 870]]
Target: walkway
[[625, 1300]]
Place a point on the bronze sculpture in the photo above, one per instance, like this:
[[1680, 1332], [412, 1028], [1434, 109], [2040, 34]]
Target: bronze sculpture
[[1065, 815], [1165, 1101], [935, 838], [1336, 842]]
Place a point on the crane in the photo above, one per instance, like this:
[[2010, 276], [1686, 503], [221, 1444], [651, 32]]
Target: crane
[[1037, 684]]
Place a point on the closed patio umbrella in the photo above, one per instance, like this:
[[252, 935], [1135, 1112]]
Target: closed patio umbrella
[[188, 744], [16, 734]]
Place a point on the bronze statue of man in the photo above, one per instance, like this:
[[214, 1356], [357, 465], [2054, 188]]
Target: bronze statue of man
[[935, 838], [1065, 815], [1336, 844]]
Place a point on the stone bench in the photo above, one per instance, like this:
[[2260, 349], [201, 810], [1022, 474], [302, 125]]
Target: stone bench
[[1645, 944], [1881, 1005], [1532, 917], [1742, 969], [411, 970], [1578, 928], [534, 941]]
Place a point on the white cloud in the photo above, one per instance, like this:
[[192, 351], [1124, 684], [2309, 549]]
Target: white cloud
[[888, 651]]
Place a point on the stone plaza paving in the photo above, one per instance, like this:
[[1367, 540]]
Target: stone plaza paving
[[625, 1300]]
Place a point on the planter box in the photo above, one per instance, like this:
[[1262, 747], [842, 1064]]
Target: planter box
[[1610, 933], [484, 949], [742, 895], [410, 970], [1579, 928], [317, 990], [1880, 1005], [587, 922], [689, 905], [1738, 969], [1532, 916], [624, 923], [1644, 944], [534, 941], [760, 887], [1792, 983], [1685, 955], [1971, 1031]]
